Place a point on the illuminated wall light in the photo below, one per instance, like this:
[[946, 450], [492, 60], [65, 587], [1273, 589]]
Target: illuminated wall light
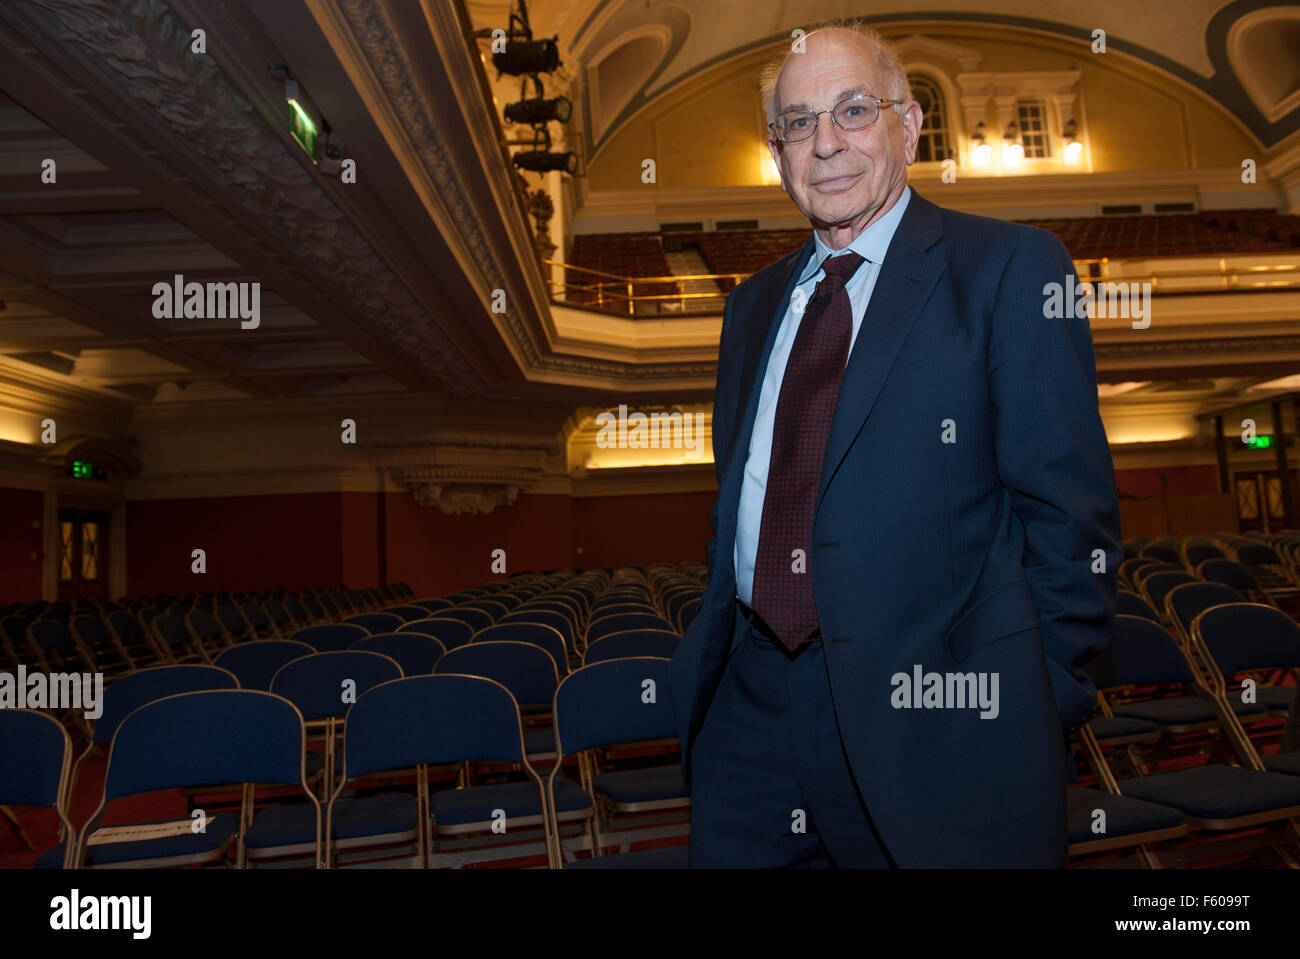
[[1012, 150], [1073, 148], [981, 152]]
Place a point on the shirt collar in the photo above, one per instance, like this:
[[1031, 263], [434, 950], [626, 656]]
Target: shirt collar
[[871, 244]]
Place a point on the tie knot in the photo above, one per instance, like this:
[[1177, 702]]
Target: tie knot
[[843, 266]]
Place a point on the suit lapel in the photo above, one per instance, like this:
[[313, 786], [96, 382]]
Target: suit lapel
[[907, 278]]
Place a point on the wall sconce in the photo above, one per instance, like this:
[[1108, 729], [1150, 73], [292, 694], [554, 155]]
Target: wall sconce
[[981, 152], [1012, 151], [1073, 148]]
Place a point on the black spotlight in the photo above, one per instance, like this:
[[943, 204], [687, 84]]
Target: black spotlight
[[540, 161], [538, 110], [527, 56]]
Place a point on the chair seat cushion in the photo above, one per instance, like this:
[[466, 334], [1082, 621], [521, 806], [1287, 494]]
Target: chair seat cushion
[[221, 827], [1276, 698], [1288, 763], [664, 857], [1120, 727], [1217, 792], [354, 817], [1125, 816], [1182, 711], [459, 807], [642, 785]]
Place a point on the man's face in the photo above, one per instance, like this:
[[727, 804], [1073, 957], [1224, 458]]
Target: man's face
[[837, 177]]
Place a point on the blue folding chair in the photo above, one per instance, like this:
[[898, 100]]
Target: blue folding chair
[[1238, 638], [415, 652], [329, 637], [538, 634], [35, 767], [207, 738], [450, 632], [406, 611], [323, 687], [620, 622], [374, 623], [527, 670], [632, 642], [608, 703], [255, 663]]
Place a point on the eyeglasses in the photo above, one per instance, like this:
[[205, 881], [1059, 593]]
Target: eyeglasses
[[855, 113]]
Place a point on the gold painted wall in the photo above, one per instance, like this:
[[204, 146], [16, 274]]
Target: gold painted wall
[[707, 133]]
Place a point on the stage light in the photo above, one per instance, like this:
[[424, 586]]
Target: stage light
[[527, 56], [541, 161], [539, 110]]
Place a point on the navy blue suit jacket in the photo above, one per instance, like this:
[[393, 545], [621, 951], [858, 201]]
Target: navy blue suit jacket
[[975, 555]]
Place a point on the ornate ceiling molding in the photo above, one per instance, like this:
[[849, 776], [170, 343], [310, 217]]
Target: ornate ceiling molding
[[143, 49]]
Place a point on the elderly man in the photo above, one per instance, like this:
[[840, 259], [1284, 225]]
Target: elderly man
[[916, 528]]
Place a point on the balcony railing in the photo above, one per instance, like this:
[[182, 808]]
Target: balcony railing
[[677, 295]]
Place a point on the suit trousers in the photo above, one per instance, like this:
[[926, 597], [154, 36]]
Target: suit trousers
[[771, 786]]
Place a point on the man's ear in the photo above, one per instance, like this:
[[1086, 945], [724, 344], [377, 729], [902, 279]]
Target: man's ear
[[774, 146], [911, 117]]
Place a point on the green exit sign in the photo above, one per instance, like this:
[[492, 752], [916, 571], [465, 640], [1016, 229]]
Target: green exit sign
[[302, 128], [1261, 443], [84, 470]]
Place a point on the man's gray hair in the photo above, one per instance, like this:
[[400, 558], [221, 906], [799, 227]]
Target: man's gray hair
[[896, 86]]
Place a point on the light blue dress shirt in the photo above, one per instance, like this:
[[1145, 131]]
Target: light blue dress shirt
[[871, 244]]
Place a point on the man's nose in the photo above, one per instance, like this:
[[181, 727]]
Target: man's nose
[[829, 138]]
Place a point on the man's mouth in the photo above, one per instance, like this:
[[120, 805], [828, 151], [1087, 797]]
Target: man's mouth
[[831, 184]]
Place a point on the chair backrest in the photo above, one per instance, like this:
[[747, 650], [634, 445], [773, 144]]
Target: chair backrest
[[171, 629], [374, 623], [1158, 585], [434, 719], [52, 634], [1190, 599], [632, 642], [1139, 651], [35, 756], [1141, 573], [558, 621], [450, 632], [208, 738], [255, 663], [133, 690], [432, 604], [1257, 554], [327, 637], [617, 701], [1229, 573], [624, 621], [539, 634], [407, 613], [316, 684], [475, 618], [1131, 604], [91, 629], [1248, 636], [125, 624], [416, 653], [527, 670]]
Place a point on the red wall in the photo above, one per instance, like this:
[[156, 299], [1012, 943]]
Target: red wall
[[1182, 480], [252, 542], [640, 530], [20, 544]]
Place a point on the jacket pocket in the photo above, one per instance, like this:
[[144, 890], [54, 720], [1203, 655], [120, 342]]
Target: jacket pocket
[[1000, 614]]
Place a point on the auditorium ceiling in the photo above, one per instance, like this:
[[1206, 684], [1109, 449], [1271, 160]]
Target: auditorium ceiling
[[414, 291]]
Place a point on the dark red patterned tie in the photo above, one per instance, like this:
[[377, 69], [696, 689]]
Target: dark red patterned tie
[[804, 411]]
